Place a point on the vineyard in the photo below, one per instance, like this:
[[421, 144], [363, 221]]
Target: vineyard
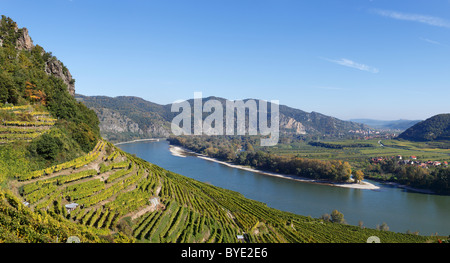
[[110, 191], [23, 123], [59, 179]]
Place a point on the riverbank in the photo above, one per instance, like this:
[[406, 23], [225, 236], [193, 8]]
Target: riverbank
[[181, 152], [406, 187], [139, 140]]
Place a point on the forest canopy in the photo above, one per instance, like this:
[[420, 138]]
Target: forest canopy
[[434, 128]]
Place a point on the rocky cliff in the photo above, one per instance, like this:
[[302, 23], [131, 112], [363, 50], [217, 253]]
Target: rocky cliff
[[24, 41], [20, 39], [290, 124], [56, 68], [117, 127], [113, 121]]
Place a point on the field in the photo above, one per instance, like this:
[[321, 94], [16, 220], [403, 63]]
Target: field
[[357, 151], [112, 191]]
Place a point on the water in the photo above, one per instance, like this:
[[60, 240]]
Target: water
[[401, 210]]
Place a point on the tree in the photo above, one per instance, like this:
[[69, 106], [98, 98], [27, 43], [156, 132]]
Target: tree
[[211, 151], [358, 176], [83, 135], [48, 146], [7, 89], [361, 224], [337, 217], [326, 217], [249, 147], [343, 171], [383, 227], [34, 94]]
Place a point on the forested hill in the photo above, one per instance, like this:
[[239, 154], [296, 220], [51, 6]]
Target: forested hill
[[434, 128], [124, 117], [34, 85]]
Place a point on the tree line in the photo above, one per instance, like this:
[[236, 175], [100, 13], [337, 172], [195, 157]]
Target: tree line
[[240, 151], [436, 179]]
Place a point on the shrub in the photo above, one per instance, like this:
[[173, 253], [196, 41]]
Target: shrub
[[48, 146]]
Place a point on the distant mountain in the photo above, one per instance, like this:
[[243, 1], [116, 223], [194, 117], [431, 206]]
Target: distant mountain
[[128, 118], [434, 128], [388, 125], [125, 117]]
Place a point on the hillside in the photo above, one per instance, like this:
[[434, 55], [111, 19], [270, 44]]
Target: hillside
[[59, 178], [123, 118], [109, 191], [41, 123], [432, 129]]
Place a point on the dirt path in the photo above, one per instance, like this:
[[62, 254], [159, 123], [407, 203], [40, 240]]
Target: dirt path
[[148, 208], [143, 211]]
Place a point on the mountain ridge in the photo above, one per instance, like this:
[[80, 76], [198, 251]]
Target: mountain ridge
[[434, 128], [153, 119], [400, 124]]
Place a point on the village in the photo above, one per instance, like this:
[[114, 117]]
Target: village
[[374, 134], [411, 160]]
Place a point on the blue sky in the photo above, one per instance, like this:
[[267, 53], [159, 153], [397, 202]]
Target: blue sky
[[382, 59]]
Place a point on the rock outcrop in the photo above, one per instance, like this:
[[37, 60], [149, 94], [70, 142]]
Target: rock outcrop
[[56, 68], [290, 124], [24, 41], [114, 123], [21, 40]]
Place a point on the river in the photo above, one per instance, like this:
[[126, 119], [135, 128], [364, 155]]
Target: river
[[400, 209]]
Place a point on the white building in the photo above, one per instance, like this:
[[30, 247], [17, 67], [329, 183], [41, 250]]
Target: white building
[[71, 207]]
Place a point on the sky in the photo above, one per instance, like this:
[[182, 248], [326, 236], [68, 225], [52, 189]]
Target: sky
[[378, 59]]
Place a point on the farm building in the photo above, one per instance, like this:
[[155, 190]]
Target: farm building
[[71, 207]]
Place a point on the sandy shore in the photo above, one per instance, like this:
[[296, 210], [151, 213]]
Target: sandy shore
[[181, 152], [177, 151]]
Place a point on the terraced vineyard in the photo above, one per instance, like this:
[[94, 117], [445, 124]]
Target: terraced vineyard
[[111, 191], [33, 123]]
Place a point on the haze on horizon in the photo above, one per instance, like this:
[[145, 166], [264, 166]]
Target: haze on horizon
[[352, 59]]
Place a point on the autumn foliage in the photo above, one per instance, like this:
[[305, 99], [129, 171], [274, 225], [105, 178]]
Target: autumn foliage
[[34, 94]]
